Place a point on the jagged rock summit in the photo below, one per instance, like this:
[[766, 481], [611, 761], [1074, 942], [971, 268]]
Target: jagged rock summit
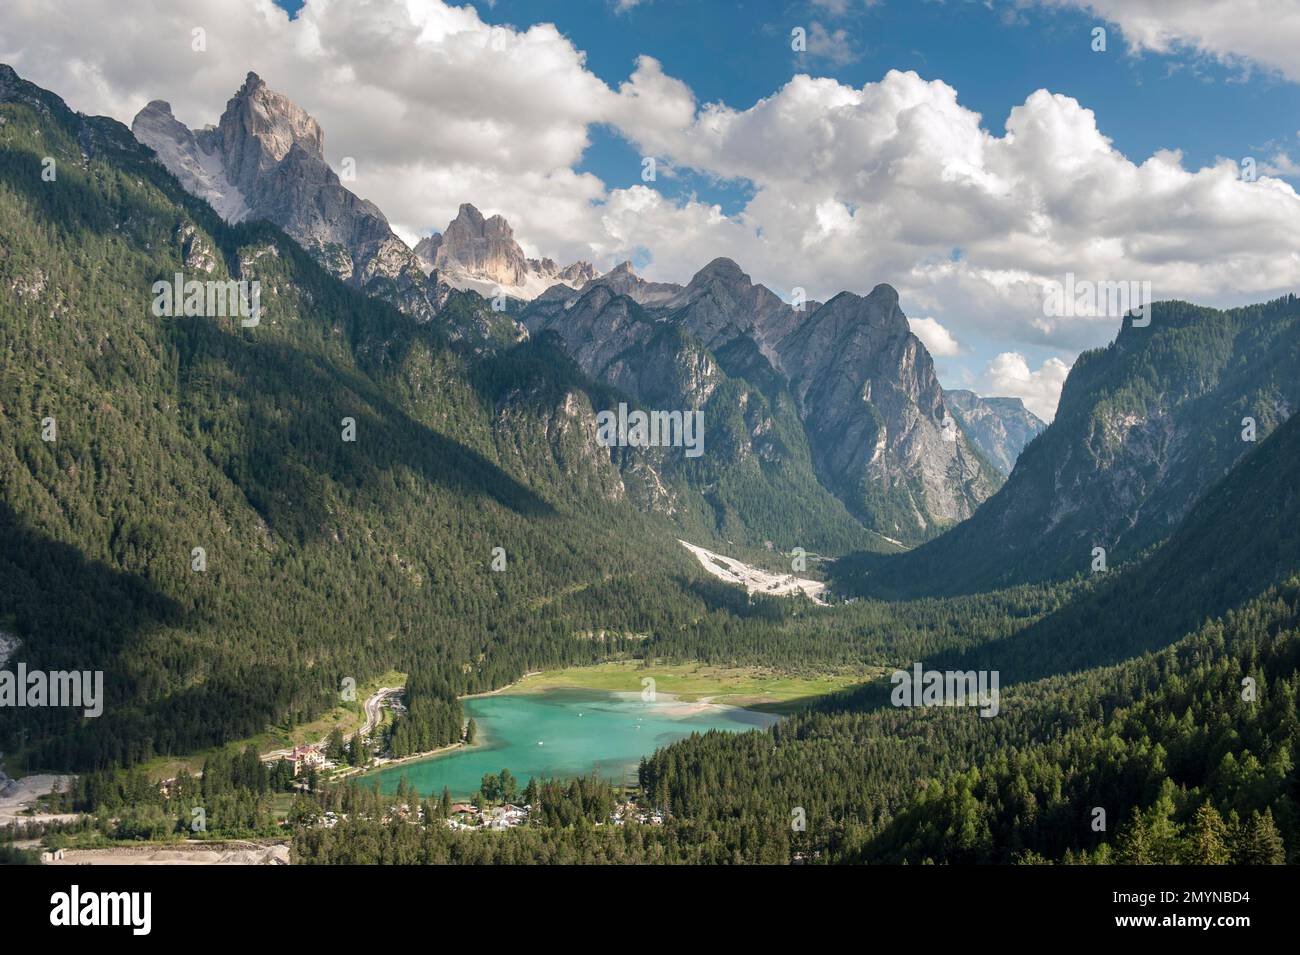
[[879, 431], [265, 159], [480, 253]]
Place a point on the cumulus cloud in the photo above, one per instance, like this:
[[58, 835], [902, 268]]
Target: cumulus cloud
[[1280, 165], [897, 181], [1009, 375], [892, 181], [436, 106], [937, 339], [1236, 32], [834, 46]]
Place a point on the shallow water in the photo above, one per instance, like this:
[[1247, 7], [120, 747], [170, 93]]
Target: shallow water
[[561, 734]]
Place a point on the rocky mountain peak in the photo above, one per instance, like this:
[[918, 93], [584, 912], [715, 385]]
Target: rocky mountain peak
[[578, 274], [260, 127], [480, 253], [482, 248], [265, 160], [1000, 427], [200, 171], [885, 294], [721, 269], [156, 108], [468, 217]]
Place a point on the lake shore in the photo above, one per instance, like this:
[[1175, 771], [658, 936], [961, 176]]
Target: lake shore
[[564, 732]]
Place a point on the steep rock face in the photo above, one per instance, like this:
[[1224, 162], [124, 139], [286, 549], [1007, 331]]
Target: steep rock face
[[577, 275], [265, 160], [259, 128], [754, 481], [200, 171], [876, 417], [849, 376], [999, 427], [483, 247], [426, 251], [1143, 428], [721, 304], [616, 341], [481, 254]]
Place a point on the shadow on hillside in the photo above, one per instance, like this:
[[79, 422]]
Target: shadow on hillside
[[289, 445], [69, 613]]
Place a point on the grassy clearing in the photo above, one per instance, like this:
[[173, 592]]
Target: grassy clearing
[[757, 688]]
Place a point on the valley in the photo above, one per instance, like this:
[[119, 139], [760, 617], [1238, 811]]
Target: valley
[[343, 557]]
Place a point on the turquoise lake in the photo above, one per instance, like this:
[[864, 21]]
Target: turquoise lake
[[578, 731]]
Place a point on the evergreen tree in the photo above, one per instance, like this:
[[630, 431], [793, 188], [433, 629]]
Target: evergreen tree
[[1260, 843], [334, 745], [1208, 838], [1132, 845]]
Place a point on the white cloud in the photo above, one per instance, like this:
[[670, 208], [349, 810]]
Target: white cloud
[[1280, 165], [1266, 32], [834, 46], [1009, 375], [896, 181], [892, 181], [937, 339]]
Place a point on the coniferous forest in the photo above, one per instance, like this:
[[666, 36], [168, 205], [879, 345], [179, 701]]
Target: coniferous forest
[[233, 524]]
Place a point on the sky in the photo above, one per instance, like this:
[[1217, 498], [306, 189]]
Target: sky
[[974, 154]]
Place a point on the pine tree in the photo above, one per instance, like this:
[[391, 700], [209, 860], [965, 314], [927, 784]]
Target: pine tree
[[1133, 846], [1207, 840], [1260, 843], [334, 746], [1162, 833]]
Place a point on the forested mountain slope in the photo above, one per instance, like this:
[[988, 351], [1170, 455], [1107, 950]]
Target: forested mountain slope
[[1118, 710], [324, 557], [1144, 427]]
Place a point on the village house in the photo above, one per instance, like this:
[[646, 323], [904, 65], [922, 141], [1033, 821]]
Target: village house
[[304, 758]]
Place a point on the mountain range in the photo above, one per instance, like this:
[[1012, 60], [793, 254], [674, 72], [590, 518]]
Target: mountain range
[[1144, 427], [881, 438], [352, 469]]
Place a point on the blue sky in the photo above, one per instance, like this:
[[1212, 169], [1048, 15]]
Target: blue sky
[[739, 52]]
